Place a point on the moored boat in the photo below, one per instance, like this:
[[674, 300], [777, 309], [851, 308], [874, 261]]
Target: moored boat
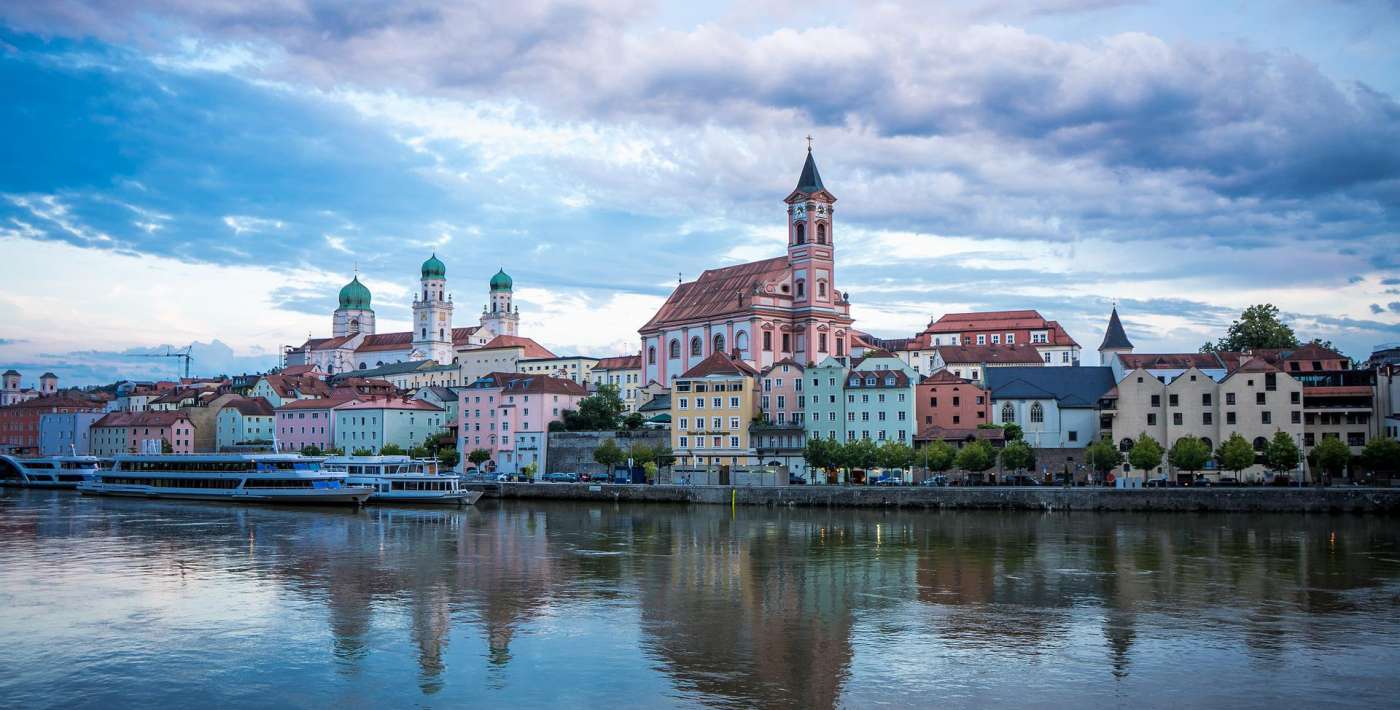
[[46, 471], [289, 479], [400, 479]]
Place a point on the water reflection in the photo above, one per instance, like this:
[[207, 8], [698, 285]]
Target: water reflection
[[646, 606]]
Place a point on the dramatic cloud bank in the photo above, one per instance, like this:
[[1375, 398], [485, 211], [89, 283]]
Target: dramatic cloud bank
[[1047, 155]]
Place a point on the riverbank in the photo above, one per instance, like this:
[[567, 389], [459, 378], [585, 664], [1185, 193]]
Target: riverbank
[[1382, 501]]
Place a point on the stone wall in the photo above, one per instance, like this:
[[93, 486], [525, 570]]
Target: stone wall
[[1231, 500], [572, 451]]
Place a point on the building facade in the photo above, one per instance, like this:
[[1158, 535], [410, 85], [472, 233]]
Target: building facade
[[372, 424], [307, 422], [243, 422], [1048, 338], [712, 407], [508, 415], [67, 433], [947, 401], [20, 422], [624, 373], [765, 311], [143, 433], [1056, 407]]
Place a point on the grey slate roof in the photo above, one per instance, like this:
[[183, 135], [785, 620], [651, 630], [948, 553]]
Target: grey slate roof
[[1115, 337], [811, 180], [659, 403], [1070, 387]]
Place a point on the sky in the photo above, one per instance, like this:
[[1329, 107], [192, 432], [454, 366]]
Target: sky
[[210, 174]]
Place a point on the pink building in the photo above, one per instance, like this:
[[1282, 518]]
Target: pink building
[[508, 414], [782, 401], [307, 422], [142, 432]]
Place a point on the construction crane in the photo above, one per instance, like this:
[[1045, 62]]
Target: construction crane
[[182, 354]]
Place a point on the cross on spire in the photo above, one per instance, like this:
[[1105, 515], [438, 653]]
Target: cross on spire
[[809, 142]]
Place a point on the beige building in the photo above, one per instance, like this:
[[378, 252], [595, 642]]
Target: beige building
[[712, 405], [625, 373], [577, 368], [1254, 400], [502, 354]]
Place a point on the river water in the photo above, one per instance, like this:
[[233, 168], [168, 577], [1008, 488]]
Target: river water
[[112, 603]]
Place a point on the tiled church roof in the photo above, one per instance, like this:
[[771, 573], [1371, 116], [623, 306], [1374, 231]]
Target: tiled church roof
[[718, 292]]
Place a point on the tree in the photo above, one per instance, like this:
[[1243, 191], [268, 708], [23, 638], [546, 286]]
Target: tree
[[861, 453], [311, 450], [1018, 456], [1189, 454], [938, 456], [665, 457], [420, 452], [633, 421], [1382, 455], [599, 411], [650, 468], [1012, 431], [641, 454], [1102, 456], [1146, 453], [1282, 454], [530, 469], [558, 425], [165, 447], [1331, 456], [609, 454], [1235, 454], [976, 457], [362, 452], [478, 457], [820, 453], [896, 454], [1257, 327], [392, 450], [448, 456]]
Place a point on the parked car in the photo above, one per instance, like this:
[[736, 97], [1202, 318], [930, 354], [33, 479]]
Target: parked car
[[1156, 483], [796, 480], [598, 477], [939, 481], [560, 478], [888, 480], [1020, 479]]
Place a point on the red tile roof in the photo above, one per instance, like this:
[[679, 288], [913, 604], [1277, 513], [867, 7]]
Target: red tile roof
[[880, 377], [720, 292], [254, 407], [531, 349], [993, 354], [622, 362], [1000, 320], [544, 384], [324, 403], [386, 341], [719, 363], [130, 419], [392, 403], [1171, 361], [944, 377], [785, 361], [296, 370], [1255, 364]]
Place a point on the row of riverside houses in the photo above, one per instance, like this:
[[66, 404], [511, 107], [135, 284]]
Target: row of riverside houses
[[748, 362]]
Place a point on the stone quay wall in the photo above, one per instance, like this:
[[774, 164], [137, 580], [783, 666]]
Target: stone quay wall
[[572, 451], [1384, 501]]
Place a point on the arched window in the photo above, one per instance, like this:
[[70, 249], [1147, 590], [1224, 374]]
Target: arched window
[[363, 366], [801, 288], [425, 333], [425, 294], [741, 341], [1125, 445], [354, 325], [442, 334], [1209, 446], [1037, 413], [800, 230], [821, 289], [840, 346], [651, 355], [1008, 414], [1260, 443], [719, 342], [675, 348], [821, 233], [695, 346]]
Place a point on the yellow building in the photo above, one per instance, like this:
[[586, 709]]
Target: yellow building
[[712, 405]]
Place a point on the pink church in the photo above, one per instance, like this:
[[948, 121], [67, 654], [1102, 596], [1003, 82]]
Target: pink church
[[508, 414], [784, 307]]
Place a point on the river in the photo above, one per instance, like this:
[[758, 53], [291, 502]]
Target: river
[[110, 603]]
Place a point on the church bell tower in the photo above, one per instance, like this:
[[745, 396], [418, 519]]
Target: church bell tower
[[811, 242], [432, 314]]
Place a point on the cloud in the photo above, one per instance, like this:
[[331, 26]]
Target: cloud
[[1394, 306], [1376, 308]]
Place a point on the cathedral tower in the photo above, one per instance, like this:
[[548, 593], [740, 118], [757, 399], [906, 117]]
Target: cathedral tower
[[432, 314], [499, 316], [811, 244], [354, 314]]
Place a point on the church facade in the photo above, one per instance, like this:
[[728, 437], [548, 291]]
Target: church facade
[[786, 307], [355, 345]]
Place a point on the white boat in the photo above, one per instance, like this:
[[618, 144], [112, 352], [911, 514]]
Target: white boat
[[242, 478], [47, 471], [400, 479]]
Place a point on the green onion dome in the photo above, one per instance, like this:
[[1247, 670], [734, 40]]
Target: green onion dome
[[501, 281], [354, 295], [433, 268]]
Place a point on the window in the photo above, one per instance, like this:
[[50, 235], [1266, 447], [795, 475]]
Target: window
[[981, 340], [1152, 419], [1176, 418], [1296, 417], [996, 339], [799, 232], [1206, 418], [787, 342], [733, 442], [821, 233], [801, 288], [719, 342], [684, 423], [1010, 338], [821, 289], [684, 442], [1037, 413], [1156, 400], [695, 346], [1260, 443], [1270, 381], [741, 341], [1125, 445], [1295, 397], [1073, 435], [1356, 438], [768, 341], [1047, 359], [1259, 398], [1205, 399], [1230, 418], [1266, 417], [1229, 399], [1008, 414], [1172, 400]]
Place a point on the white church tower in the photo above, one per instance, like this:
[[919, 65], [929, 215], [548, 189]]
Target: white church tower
[[432, 314], [354, 315], [499, 316]]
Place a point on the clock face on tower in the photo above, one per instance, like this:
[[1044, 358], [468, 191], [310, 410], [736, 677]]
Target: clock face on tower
[[799, 213]]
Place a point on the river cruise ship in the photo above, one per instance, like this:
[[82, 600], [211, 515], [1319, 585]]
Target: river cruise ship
[[289, 479], [400, 479], [47, 471]]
